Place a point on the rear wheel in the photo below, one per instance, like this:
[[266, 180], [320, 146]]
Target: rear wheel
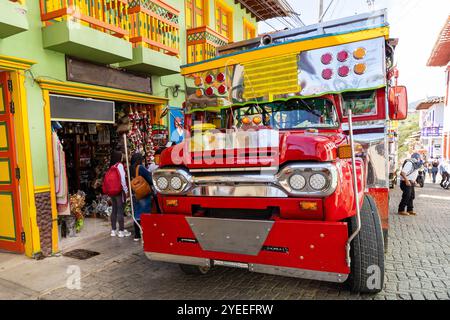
[[367, 251], [195, 270]]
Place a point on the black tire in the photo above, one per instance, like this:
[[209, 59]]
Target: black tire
[[194, 270], [367, 250]]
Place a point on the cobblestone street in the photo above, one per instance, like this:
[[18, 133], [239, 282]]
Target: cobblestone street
[[417, 267]]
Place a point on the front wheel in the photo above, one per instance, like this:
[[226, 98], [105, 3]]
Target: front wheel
[[194, 270], [367, 251]]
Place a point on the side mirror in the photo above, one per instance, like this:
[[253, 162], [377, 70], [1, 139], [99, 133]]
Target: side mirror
[[398, 103]]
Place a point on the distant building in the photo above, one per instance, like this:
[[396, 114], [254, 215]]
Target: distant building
[[440, 57], [431, 123]]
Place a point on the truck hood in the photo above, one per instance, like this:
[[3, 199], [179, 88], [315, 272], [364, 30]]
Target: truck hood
[[286, 146]]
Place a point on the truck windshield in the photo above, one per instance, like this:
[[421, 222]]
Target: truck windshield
[[292, 114]]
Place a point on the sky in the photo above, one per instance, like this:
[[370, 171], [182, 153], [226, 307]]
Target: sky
[[417, 24]]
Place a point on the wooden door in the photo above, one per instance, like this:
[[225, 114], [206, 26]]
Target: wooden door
[[11, 236]]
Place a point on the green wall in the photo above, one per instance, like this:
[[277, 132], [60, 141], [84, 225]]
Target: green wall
[[51, 65]]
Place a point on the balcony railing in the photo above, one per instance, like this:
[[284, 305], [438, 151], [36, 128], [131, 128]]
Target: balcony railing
[[202, 44], [109, 16], [154, 25]]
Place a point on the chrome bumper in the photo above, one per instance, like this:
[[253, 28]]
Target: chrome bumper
[[260, 268]]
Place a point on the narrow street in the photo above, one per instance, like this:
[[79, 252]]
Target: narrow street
[[417, 267]]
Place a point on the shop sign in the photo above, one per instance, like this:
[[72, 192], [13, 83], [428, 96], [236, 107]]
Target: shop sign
[[89, 73]]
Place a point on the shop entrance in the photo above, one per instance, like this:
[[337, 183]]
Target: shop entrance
[[82, 145], [11, 234]]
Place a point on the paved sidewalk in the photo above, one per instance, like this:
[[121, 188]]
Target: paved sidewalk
[[417, 267]]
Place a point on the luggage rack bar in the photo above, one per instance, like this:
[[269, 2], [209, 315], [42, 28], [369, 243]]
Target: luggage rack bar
[[348, 24]]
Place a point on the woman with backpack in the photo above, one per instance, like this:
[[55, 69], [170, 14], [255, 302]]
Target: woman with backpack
[[115, 186], [141, 185]]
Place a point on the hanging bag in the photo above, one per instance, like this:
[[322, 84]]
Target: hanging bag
[[140, 186], [112, 185]]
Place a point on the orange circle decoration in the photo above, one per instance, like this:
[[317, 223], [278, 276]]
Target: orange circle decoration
[[257, 120], [199, 93], [360, 68], [198, 81], [246, 120], [359, 53]]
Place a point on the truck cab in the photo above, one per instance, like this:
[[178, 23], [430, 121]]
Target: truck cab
[[285, 165]]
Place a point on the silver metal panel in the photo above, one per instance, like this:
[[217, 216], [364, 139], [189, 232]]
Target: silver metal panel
[[311, 68], [156, 256], [348, 24], [253, 191], [230, 235], [298, 273]]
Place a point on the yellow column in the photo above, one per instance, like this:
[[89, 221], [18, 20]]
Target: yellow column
[[51, 174], [28, 206]]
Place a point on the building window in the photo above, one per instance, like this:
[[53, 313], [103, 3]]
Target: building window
[[196, 13], [249, 30], [224, 20]]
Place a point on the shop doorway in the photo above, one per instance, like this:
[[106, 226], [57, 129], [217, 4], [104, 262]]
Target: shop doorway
[[11, 233], [87, 140]]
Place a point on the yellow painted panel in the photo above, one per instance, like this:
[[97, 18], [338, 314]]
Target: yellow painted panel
[[5, 172], [2, 101], [3, 136], [7, 224]]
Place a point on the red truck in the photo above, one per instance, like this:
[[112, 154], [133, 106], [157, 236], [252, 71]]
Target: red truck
[[285, 165]]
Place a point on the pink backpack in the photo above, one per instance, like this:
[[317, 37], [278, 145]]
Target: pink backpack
[[112, 185]]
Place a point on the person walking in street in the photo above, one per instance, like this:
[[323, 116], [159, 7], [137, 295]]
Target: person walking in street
[[408, 176], [435, 169], [118, 207], [444, 169], [143, 205]]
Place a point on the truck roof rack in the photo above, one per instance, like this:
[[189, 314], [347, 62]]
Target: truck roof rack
[[357, 22]]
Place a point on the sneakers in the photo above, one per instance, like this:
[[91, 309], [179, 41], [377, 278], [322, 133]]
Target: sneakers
[[137, 239], [124, 233], [113, 233], [403, 213], [412, 213]]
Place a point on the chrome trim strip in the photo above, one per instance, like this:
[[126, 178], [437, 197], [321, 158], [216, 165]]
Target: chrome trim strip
[[195, 185], [252, 267], [164, 257], [250, 191], [298, 273]]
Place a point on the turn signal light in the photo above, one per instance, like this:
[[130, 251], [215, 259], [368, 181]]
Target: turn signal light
[[210, 91], [327, 74], [221, 77], [246, 120], [199, 93], [222, 89], [345, 152], [308, 205], [360, 68], [209, 79], [326, 58], [343, 71], [359, 53], [198, 81], [257, 120]]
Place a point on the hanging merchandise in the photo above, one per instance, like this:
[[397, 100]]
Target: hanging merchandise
[[77, 203], [61, 183], [140, 133]]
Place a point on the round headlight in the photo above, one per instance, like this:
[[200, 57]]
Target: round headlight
[[317, 181], [162, 183], [297, 182], [176, 183]]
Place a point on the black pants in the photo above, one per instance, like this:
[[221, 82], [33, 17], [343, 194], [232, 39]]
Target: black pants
[[445, 177], [434, 173], [117, 214], [408, 196], [137, 231]]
